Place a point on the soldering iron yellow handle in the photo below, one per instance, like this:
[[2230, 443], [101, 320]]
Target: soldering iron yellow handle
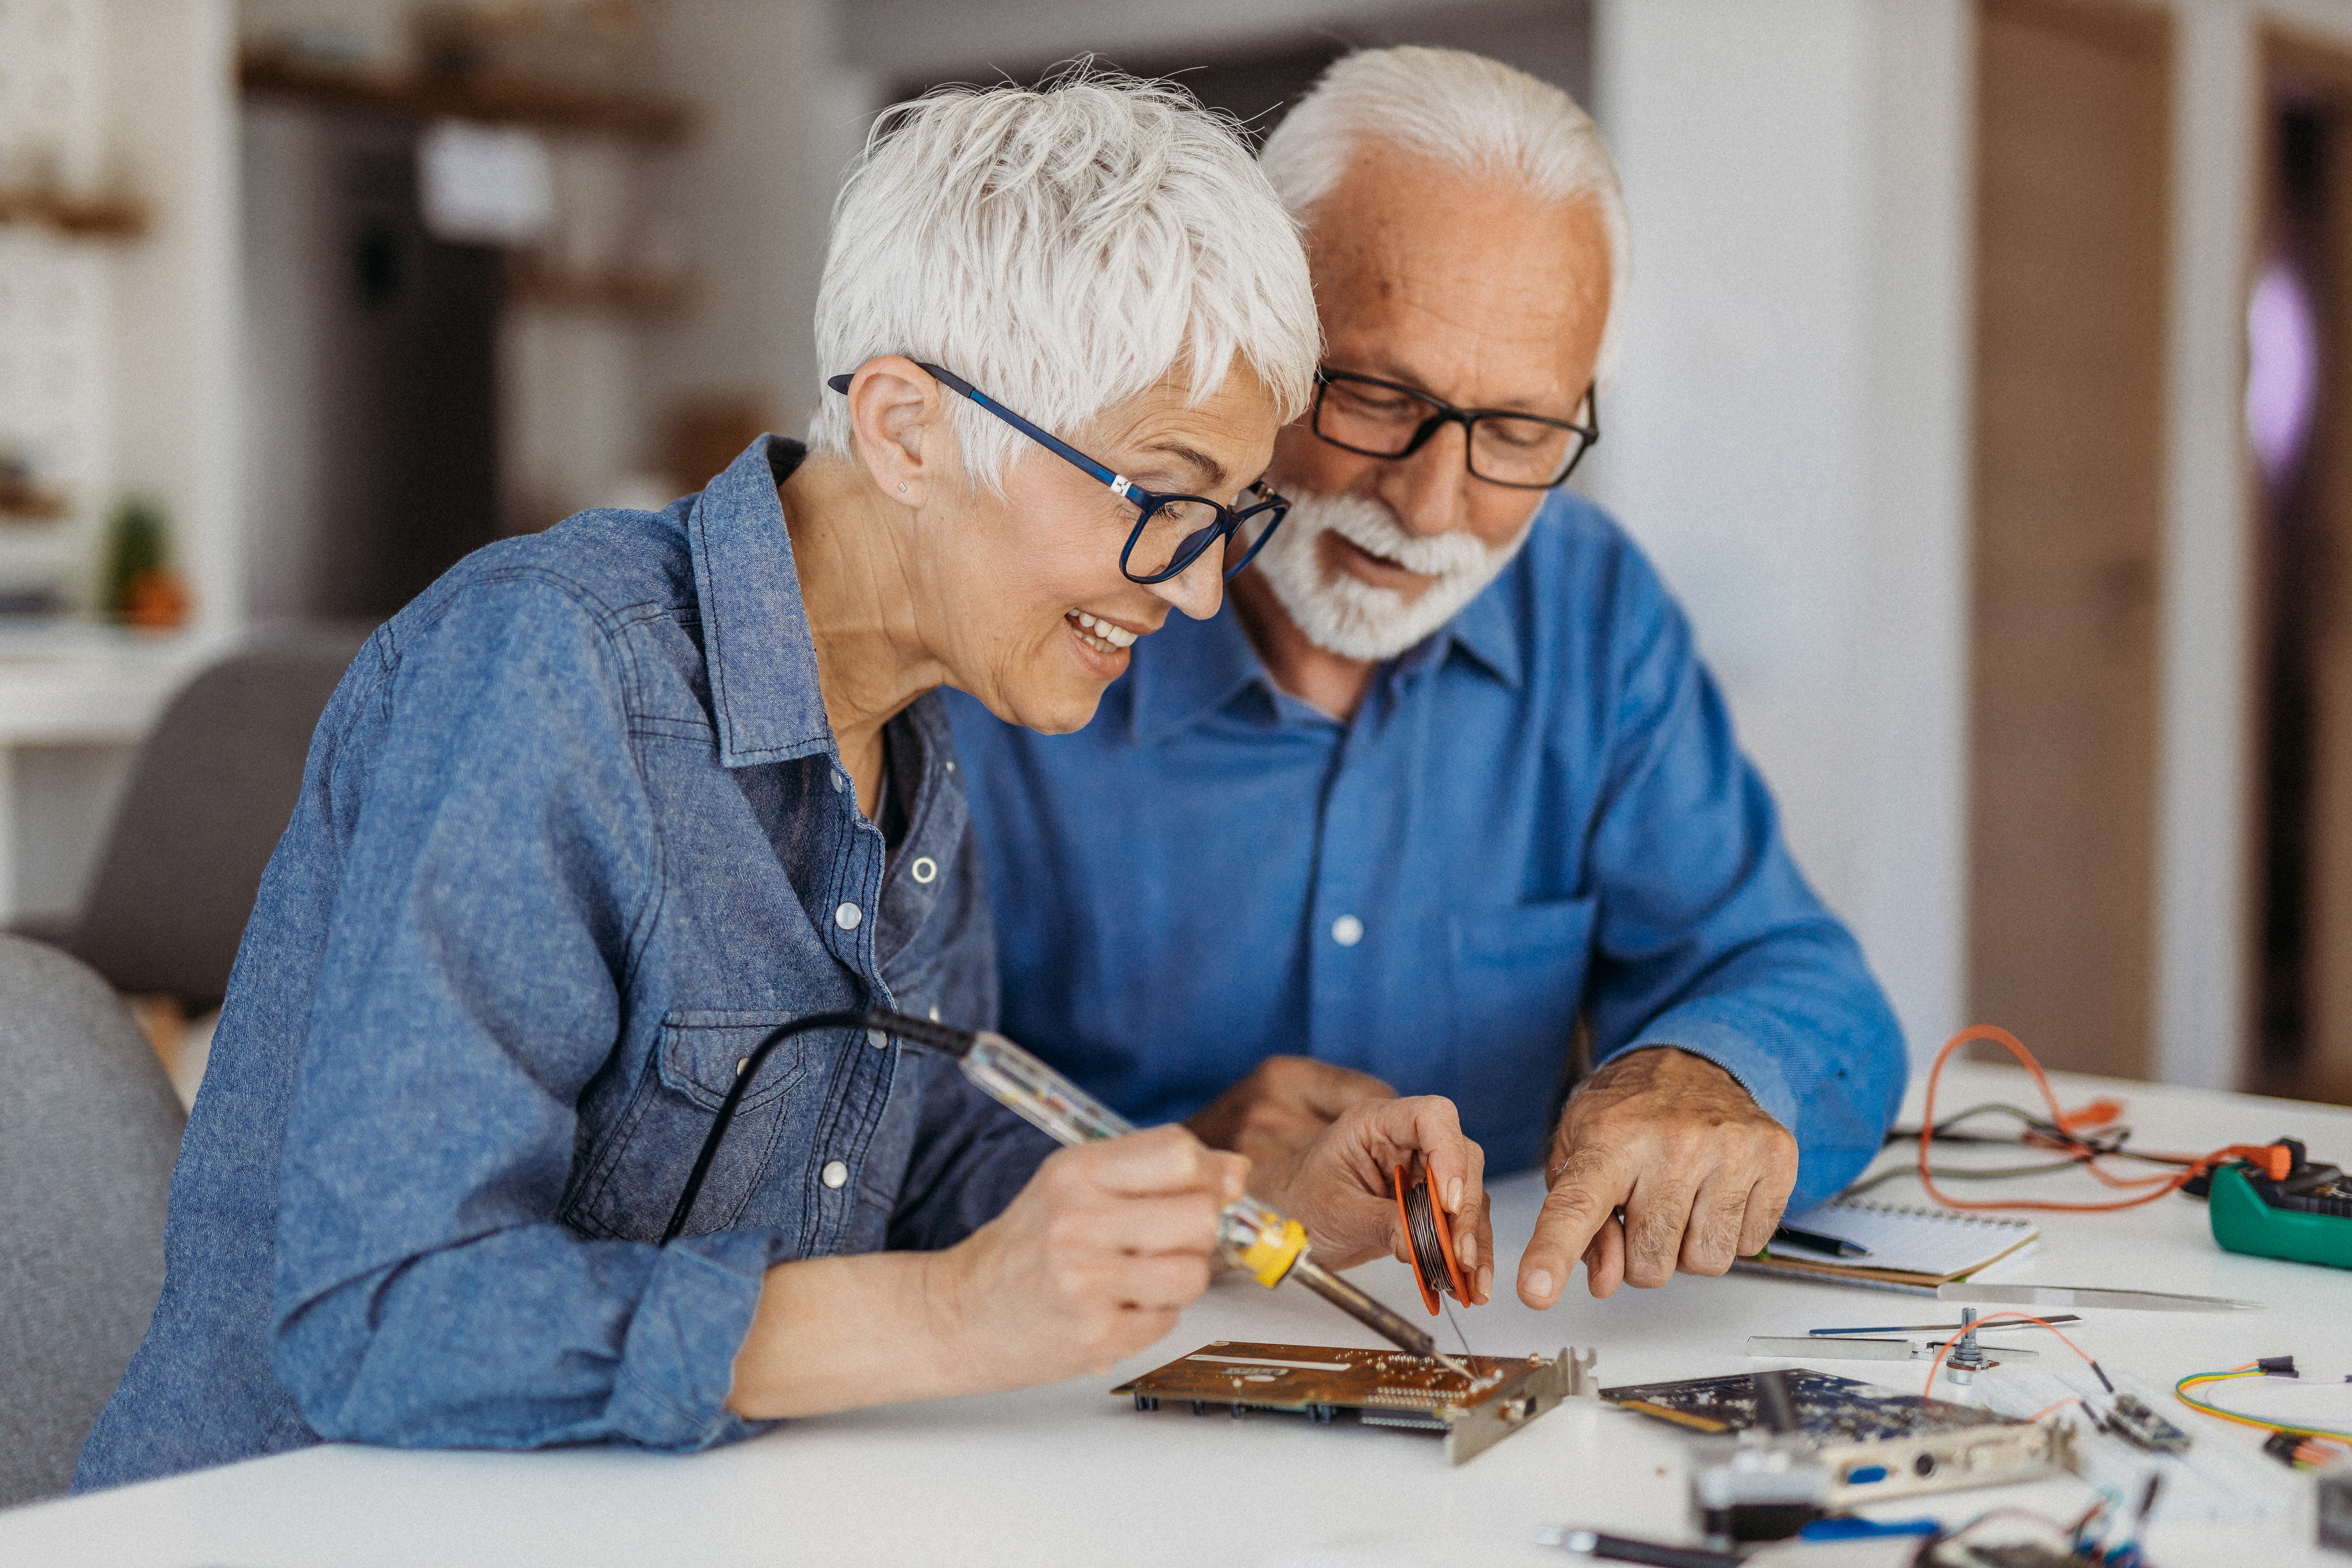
[[1261, 1239], [1269, 1259]]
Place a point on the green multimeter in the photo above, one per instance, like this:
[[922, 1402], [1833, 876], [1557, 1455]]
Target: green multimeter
[[2305, 1216]]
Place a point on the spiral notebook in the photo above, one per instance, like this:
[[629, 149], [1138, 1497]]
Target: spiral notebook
[[1911, 1250]]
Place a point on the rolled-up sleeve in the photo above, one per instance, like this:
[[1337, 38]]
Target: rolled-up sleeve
[[1708, 937], [498, 865]]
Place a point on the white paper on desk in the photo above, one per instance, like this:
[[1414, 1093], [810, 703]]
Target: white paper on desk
[[2215, 1481], [1914, 1240]]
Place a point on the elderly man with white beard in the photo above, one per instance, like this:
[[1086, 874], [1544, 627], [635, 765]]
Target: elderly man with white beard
[[1449, 787]]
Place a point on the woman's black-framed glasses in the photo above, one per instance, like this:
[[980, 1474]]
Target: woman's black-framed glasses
[[1376, 418], [1173, 532]]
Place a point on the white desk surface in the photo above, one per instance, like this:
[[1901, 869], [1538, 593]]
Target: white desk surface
[[1071, 1474]]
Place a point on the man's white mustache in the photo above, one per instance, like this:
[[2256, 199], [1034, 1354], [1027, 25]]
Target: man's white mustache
[[1339, 611], [1373, 529]]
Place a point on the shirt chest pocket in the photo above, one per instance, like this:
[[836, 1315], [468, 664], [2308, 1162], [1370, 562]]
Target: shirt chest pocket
[[631, 1180], [1517, 978]]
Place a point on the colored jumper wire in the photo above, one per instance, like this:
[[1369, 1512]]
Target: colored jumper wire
[[1252, 1236]]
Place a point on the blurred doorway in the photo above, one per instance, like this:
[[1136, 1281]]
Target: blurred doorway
[[2299, 426], [2073, 144], [372, 369]]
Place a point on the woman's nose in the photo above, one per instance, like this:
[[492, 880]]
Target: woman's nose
[[1200, 588]]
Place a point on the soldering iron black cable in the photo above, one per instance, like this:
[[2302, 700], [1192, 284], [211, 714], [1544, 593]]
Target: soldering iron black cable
[[921, 1032]]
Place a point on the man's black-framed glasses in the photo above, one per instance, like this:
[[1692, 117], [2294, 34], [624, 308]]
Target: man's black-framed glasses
[[1173, 530], [1376, 418]]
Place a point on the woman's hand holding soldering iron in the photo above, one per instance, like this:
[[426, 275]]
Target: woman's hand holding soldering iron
[[1095, 1258], [1092, 1261], [1339, 1185]]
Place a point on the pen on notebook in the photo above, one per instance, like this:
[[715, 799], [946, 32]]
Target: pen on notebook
[[1813, 1240]]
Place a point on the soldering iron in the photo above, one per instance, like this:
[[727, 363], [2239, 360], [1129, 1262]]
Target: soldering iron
[[1251, 1234]]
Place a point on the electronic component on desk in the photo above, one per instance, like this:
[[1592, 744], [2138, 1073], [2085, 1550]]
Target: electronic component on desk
[[2336, 1506], [1759, 1492], [2130, 1419], [1866, 1349], [1609, 1548], [1378, 1388], [2304, 1217], [1872, 1443]]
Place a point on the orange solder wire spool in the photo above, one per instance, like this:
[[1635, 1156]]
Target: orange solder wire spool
[[1431, 1235]]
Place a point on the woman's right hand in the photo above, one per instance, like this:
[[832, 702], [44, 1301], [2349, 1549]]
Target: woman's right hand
[[1093, 1261]]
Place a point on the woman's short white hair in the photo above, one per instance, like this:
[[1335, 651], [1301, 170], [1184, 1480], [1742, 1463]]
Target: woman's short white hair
[[1463, 109], [1062, 247]]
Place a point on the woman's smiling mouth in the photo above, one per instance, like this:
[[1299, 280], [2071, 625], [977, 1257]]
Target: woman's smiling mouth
[[1102, 636]]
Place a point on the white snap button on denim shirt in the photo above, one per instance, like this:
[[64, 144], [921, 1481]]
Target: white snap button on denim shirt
[[834, 1173], [924, 869], [1346, 931], [847, 915]]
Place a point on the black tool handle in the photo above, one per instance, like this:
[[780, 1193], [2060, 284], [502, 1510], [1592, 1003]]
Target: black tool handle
[[1625, 1549]]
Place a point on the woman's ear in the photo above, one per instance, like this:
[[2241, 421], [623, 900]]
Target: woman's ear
[[895, 407]]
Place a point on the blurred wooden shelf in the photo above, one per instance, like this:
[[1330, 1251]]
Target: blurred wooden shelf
[[22, 502], [75, 216], [601, 290], [489, 97]]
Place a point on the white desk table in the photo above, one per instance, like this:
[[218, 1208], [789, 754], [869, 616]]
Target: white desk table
[[1070, 1474]]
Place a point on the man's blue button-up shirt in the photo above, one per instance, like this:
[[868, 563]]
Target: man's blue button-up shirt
[[1539, 809], [572, 837]]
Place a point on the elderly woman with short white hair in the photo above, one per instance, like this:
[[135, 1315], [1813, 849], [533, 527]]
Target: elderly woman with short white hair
[[605, 808]]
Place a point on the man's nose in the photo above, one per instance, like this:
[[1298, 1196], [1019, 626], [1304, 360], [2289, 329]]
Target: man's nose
[[1200, 588], [1429, 490]]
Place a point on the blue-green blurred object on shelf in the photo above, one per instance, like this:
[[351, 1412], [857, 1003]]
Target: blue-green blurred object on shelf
[[2305, 1217]]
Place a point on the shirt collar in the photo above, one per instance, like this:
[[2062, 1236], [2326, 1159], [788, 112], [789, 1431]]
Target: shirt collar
[[1190, 669], [1483, 628], [755, 630]]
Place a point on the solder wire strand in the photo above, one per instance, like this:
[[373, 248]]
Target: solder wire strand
[[1458, 1325], [1372, 1314]]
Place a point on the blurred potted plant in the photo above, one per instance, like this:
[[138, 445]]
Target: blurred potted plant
[[142, 587]]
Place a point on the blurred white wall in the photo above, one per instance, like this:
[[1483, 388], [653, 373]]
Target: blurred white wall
[[1788, 435], [752, 196]]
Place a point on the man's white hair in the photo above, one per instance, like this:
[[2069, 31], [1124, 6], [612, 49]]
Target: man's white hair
[[1062, 247], [1465, 110]]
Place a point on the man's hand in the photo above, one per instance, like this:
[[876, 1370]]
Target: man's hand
[[1273, 1114], [1342, 1186], [1701, 1172]]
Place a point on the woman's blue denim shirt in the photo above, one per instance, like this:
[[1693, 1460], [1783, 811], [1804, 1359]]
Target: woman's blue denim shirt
[[572, 836]]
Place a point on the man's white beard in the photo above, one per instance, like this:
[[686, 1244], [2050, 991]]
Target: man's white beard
[[1351, 617]]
